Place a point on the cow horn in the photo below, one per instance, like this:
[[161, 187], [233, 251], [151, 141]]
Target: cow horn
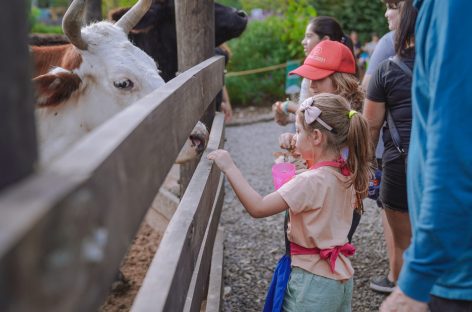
[[72, 23], [134, 15]]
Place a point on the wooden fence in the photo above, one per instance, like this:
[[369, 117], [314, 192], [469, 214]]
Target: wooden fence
[[65, 230]]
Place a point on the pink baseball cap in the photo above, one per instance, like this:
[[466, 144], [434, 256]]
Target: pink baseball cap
[[326, 58]]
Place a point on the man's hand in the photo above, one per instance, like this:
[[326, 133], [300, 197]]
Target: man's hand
[[399, 302]]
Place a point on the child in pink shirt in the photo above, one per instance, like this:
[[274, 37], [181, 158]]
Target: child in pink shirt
[[320, 202]]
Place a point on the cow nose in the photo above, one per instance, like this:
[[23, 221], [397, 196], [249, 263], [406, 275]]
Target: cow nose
[[242, 13]]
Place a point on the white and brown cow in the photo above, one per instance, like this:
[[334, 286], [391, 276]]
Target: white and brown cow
[[101, 72]]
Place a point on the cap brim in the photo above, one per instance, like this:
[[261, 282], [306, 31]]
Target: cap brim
[[311, 73]]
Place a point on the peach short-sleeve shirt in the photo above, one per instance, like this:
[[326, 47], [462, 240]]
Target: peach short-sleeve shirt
[[320, 206]]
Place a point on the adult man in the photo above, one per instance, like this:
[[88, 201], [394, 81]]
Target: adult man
[[438, 264]]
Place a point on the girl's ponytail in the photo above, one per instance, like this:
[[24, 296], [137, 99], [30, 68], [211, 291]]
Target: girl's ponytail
[[360, 153]]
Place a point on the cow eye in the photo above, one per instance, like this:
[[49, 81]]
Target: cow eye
[[124, 84]]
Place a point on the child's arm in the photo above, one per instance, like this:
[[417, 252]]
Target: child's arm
[[255, 204]]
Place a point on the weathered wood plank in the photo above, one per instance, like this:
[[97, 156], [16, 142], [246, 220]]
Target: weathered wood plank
[[199, 284], [195, 27], [63, 232], [194, 22], [215, 286], [167, 280], [18, 151]]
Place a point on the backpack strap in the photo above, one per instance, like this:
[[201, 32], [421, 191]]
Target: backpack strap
[[399, 62], [391, 123], [394, 133]]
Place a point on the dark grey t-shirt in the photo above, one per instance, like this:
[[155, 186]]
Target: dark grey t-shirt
[[390, 85]]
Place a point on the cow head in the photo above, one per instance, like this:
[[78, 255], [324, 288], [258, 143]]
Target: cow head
[[229, 23], [103, 73], [156, 35]]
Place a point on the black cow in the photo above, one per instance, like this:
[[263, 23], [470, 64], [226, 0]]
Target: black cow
[[156, 34]]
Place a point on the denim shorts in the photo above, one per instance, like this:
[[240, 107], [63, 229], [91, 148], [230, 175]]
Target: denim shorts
[[309, 292]]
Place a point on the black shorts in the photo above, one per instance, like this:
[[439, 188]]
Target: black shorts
[[393, 185], [438, 304]]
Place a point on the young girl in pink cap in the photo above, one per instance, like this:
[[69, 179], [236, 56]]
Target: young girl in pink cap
[[320, 202]]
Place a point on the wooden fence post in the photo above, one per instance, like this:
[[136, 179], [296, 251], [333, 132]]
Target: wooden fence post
[[195, 23], [195, 27], [18, 147]]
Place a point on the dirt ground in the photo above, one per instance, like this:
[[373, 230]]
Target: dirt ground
[[133, 270]]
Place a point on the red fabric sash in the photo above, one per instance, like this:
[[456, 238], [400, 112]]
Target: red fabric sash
[[340, 163], [329, 254]]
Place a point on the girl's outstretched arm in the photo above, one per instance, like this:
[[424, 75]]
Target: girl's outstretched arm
[[255, 204]]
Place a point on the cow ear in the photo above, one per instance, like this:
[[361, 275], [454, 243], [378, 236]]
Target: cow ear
[[55, 87]]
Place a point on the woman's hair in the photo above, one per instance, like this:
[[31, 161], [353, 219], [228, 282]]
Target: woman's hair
[[347, 86], [405, 34], [393, 4], [329, 26], [351, 132]]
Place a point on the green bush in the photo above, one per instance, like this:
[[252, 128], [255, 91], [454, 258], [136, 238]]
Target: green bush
[[363, 16], [46, 29], [272, 41], [33, 17]]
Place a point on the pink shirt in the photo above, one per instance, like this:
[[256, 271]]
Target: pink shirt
[[320, 207]]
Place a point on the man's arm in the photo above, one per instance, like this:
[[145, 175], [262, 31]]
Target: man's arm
[[443, 230]]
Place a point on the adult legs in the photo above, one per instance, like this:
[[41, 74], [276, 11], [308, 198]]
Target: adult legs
[[389, 243], [401, 234], [395, 219], [386, 283]]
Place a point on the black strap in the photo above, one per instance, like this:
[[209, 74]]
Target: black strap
[[399, 62], [394, 133], [391, 123]]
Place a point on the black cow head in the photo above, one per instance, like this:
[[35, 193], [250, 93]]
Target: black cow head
[[229, 23], [156, 34]]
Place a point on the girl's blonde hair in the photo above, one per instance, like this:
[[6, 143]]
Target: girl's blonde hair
[[349, 130], [348, 86]]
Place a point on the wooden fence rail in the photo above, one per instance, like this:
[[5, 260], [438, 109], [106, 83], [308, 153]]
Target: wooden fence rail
[[197, 216], [65, 230]]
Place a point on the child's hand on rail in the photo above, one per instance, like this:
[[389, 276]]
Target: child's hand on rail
[[222, 159]]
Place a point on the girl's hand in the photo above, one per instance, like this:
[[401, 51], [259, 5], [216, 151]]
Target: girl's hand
[[222, 159], [287, 141], [279, 116]]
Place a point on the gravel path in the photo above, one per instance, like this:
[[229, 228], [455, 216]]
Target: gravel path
[[253, 246]]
